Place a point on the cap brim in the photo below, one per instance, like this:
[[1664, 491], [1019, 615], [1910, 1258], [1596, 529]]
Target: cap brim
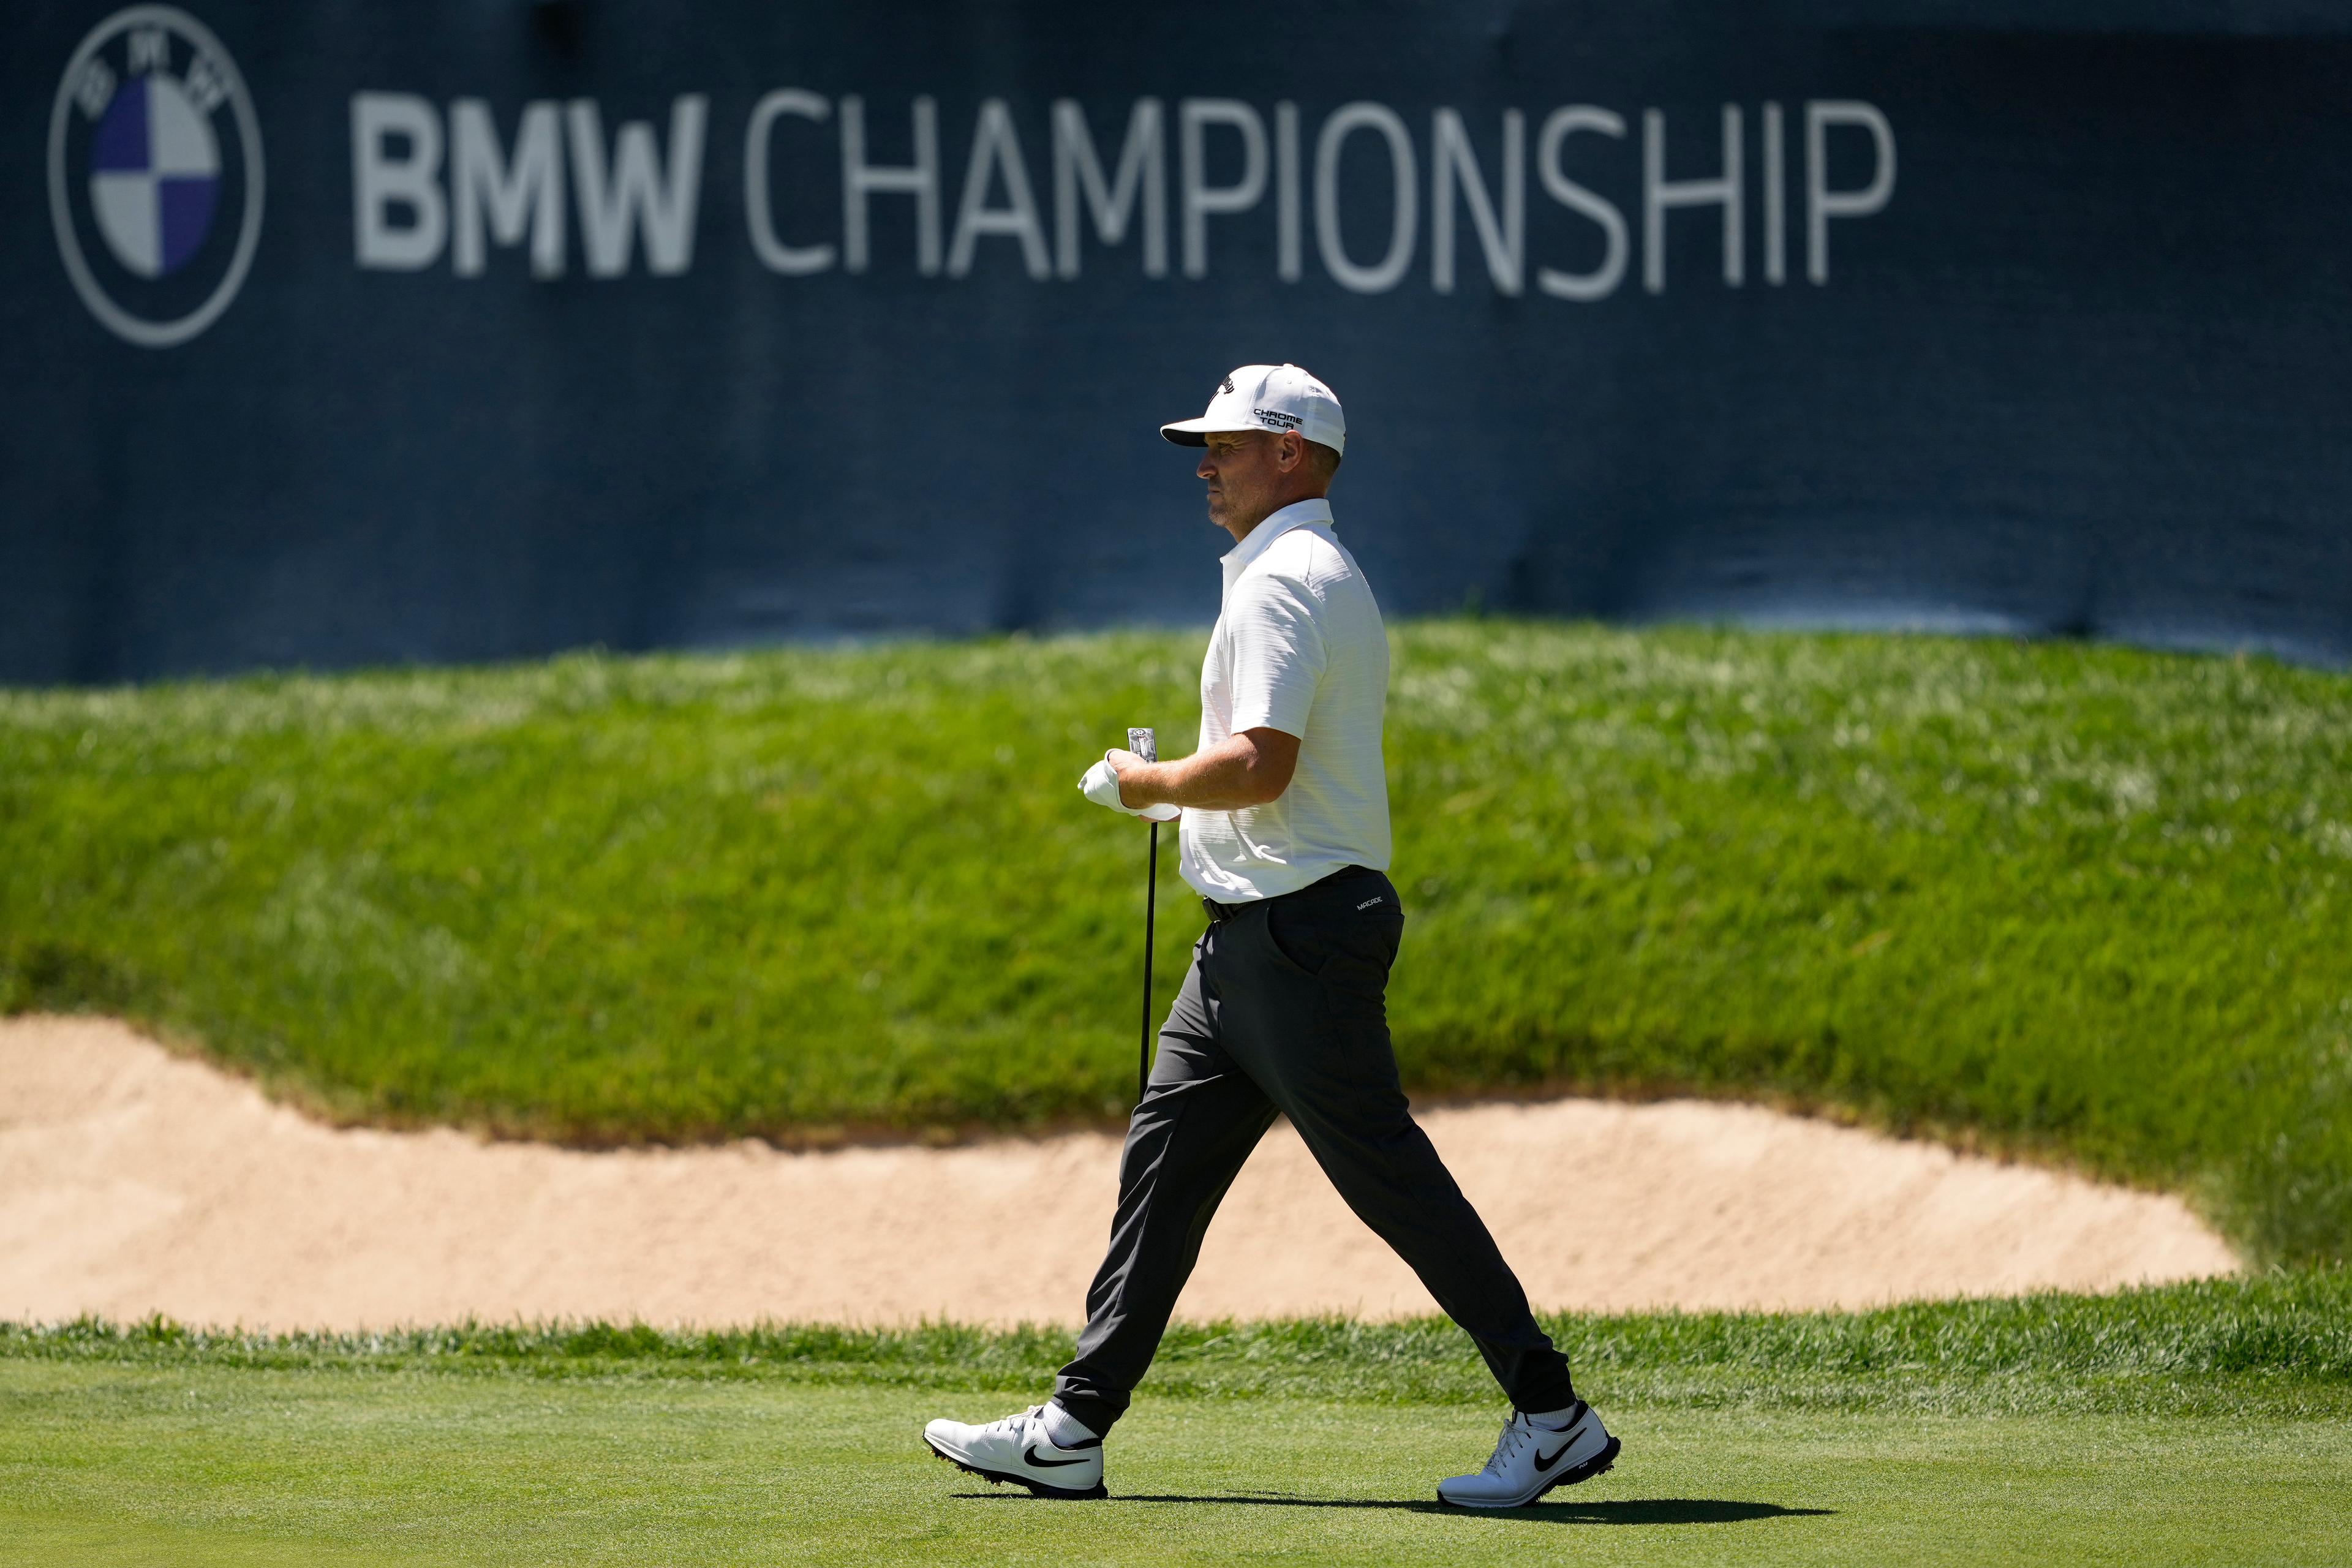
[[1196, 432]]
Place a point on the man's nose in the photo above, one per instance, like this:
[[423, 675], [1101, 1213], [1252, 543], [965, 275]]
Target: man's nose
[[1207, 471]]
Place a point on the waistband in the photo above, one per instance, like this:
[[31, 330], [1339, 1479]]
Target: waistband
[[1220, 913]]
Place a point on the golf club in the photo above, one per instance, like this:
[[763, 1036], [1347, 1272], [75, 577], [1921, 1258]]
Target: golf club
[[1145, 743]]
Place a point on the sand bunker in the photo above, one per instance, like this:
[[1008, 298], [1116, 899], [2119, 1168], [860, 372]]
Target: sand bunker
[[131, 1182]]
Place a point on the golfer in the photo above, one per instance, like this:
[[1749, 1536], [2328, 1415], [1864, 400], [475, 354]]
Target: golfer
[[1286, 838]]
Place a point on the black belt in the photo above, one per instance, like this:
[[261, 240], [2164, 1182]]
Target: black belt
[[1220, 913]]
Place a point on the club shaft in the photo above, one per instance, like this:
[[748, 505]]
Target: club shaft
[[1150, 908]]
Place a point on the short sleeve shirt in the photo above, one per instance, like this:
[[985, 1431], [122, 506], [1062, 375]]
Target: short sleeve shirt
[[1299, 646]]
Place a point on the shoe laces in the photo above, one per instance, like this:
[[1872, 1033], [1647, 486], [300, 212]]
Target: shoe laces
[[1016, 1424], [1517, 1430]]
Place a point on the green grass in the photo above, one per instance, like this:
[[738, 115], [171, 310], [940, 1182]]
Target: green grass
[[139, 1469], [2198, 1425], [2274, 1345], [2080, 902]]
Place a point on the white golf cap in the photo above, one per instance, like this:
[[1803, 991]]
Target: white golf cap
[[1267, 397]]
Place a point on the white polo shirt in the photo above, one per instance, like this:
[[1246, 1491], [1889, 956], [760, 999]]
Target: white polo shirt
[[1299, 646]]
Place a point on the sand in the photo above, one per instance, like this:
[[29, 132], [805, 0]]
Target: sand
[[132, 1181]]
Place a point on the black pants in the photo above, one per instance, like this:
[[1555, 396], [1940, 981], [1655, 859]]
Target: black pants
[[1284, 1010]]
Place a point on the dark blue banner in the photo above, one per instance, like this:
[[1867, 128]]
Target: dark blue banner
[[438, 332]]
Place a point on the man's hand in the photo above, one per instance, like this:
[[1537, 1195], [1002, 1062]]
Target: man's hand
[[1130, 770]]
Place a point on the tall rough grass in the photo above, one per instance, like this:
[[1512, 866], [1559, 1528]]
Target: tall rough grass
[[2279, 1345]]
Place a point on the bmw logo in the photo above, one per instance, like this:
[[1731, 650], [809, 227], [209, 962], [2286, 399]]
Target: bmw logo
[[154, 176]]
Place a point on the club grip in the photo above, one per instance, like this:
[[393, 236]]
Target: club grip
[[1144, 743]]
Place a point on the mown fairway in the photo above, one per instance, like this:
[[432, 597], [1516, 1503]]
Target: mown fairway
[[2079, 902], [202, 1468], [2200, 1425]]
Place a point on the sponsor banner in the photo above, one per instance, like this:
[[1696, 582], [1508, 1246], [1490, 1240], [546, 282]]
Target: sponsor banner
[[451, 331]]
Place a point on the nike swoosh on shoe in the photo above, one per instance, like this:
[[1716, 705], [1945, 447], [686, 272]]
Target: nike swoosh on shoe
[[1029, 1457]]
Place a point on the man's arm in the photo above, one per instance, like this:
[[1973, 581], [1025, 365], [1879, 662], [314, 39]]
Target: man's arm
[[1252, 768]]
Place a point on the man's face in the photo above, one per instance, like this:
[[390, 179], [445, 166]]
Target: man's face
[[1245, 472]]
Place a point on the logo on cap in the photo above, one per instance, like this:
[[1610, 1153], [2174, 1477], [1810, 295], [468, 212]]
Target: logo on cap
[[1226, 386], [155, 179]]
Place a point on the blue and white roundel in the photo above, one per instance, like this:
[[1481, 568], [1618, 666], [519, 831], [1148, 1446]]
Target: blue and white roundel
[[155, 177]]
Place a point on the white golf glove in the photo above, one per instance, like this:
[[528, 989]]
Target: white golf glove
[[1100, 785]]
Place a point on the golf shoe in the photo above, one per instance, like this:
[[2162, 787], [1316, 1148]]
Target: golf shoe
[[1532, 1457], [1017, 1449]]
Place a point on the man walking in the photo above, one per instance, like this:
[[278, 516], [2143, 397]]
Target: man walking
[[1286, 838]]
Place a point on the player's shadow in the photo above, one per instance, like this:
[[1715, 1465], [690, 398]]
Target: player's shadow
[[1627, 1510]]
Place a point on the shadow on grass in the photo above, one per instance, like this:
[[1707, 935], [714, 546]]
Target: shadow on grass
[[1629, 1510]]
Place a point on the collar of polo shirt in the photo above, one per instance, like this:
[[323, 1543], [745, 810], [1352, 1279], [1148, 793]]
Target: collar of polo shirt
[[1298, 514]]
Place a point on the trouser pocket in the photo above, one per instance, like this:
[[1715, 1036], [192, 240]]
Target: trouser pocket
[[1328, 951], [1352, 917]]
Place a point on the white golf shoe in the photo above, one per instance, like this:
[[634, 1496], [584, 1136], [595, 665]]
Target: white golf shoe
[[1530, 1459], [1017, 1449]]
